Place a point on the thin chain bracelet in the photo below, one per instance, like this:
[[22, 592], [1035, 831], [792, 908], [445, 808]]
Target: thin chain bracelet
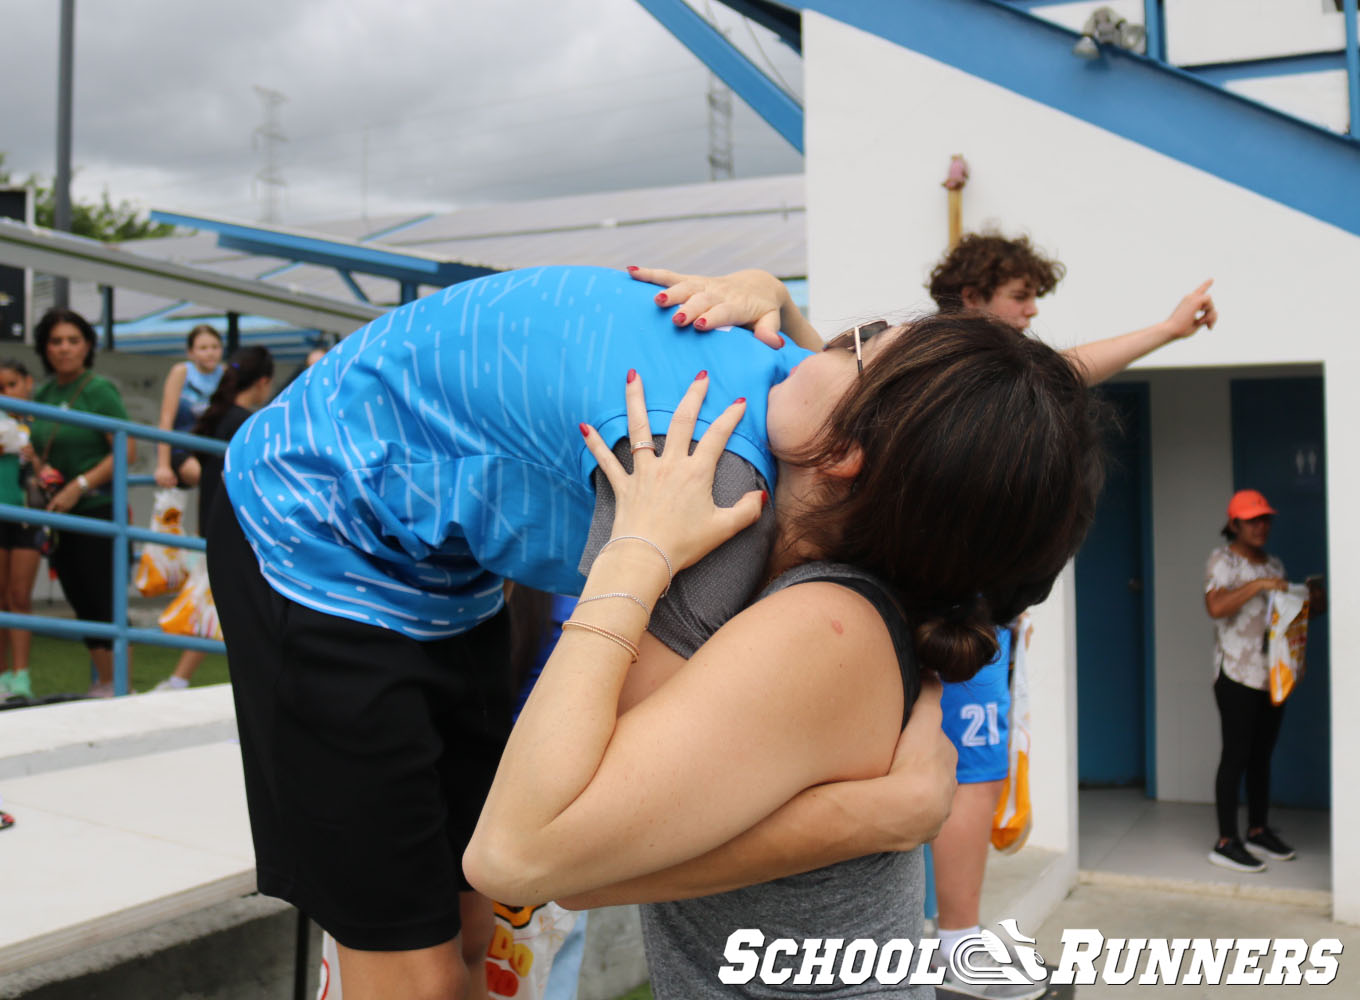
[[613, 637], [618, 593], [647, 541]]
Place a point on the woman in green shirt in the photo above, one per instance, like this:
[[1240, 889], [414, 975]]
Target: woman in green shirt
[[81, 461]]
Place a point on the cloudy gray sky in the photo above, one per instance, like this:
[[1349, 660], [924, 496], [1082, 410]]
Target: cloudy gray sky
[[403, 106]]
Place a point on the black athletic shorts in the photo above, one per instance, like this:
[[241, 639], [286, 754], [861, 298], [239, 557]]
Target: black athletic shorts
[[14, 535], [367, 754]]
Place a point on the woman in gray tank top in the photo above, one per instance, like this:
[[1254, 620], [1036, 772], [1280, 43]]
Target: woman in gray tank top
[[933, 478]]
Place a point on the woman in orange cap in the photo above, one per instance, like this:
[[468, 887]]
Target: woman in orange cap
[[1237, 580]]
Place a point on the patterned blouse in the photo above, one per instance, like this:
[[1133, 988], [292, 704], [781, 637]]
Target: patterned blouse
[[1239, 639]]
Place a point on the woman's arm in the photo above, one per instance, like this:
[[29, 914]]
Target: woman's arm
[[755, 299], [822, 825], [99, 474], [1101, 359], [766, 709], [1226, 603], [796, 691], [174, 385]]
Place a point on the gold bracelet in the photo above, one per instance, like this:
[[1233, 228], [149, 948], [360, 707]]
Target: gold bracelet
[[618, 593], [670, 572], [613, 637]]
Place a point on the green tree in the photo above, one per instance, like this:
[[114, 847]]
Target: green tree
[[100, 220]]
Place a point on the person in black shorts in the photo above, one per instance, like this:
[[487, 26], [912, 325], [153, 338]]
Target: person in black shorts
[[21, 544]]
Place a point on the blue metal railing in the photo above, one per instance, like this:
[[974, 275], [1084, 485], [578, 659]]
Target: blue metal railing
[[118, 528]]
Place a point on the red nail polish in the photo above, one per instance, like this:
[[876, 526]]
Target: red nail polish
[[631, 375], [660, 298], [764, 497], [701, 323], [739, 399], [632, 268], [781, 341], [680, 319], [585, 431], [701, 375]]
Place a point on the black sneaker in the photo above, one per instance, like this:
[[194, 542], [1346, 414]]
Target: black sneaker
[[1268, 845], [1233, 855]]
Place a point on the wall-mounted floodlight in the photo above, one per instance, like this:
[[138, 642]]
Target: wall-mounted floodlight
[[1106, 27]]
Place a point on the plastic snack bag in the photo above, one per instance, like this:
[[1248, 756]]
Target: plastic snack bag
[[193, 612], [1013, 817], [161, 568], [535, 954], [526, 949], [1286, 640]]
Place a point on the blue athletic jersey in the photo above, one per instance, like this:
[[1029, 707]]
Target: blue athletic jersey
[[436, 450], [976, 718]]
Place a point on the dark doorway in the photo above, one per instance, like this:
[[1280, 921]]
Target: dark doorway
[[1114, 579], [1278, 432]]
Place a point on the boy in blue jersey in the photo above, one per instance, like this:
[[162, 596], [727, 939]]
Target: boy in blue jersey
[[435, 451], [374, 508]]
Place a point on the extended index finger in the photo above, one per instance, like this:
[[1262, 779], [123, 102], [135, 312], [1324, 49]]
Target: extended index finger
[[656, 275]]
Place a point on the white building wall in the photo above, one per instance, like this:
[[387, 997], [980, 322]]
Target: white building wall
[[1137, 230], [1191, 443], [1225, 31], [1216, 31]]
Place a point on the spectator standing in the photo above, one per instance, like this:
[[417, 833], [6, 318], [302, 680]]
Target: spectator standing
[[79, 463], [1237, 583], [245, 386], [20, 544], [1006, 278], [188, 386]]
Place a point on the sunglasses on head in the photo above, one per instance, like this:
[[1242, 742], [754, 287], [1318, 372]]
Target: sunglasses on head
[[854, 340]]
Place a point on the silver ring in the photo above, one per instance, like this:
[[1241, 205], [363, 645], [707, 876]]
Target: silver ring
[[644, 444]]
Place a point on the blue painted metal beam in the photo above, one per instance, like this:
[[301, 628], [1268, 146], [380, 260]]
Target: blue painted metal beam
[[766, 98], [348, 279], [776, 17], [1251, 69], [328, 252], [1154, 23], [112, 425], [76, 628], [1244, 142], [1353, 62]]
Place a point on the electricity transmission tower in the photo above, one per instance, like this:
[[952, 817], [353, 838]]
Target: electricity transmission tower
[[719, 130], [269, 181]]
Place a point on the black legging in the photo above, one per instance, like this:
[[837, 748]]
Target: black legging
[[84, 565], [1250, 725]]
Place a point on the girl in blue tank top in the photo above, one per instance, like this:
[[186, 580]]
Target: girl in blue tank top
[[188, 386]]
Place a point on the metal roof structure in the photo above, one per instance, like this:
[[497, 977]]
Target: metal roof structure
[[89, 260], [706, 228], [1168, 108]]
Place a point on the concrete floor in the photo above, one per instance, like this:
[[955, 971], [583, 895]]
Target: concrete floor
[[1122, 832], [1144, 874]]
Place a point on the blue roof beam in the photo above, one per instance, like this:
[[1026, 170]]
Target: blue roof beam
[[1353, 62], [348, 279], [775, 17], [401, 266], [1162, 107], [1250, 69], [766, 98]]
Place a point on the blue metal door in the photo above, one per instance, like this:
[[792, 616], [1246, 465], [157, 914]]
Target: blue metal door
[[1113, 592], [1278, 435]]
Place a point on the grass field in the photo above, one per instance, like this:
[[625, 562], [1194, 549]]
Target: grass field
[[62, 666]]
